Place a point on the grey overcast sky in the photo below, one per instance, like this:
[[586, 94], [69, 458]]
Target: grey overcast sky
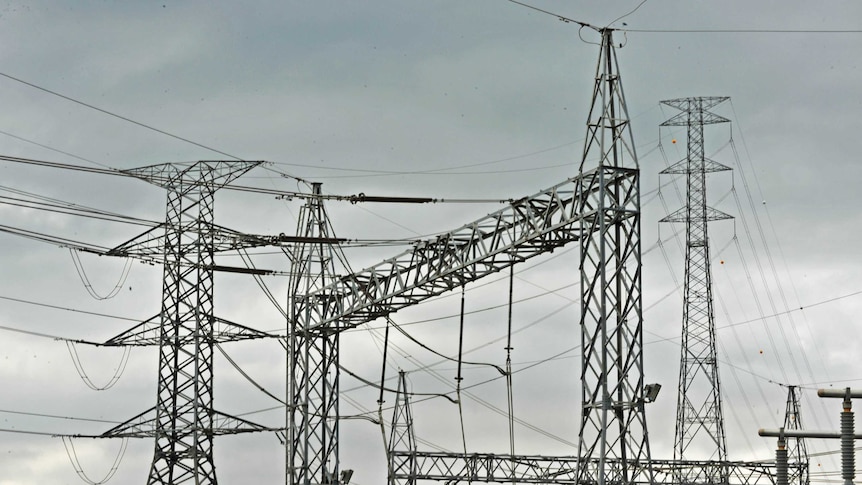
[[447, 99]]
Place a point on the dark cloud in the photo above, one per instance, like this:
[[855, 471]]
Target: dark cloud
[[464, 100]]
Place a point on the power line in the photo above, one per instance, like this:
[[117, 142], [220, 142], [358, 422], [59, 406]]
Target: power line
[[435, 171], [57, 416], [552, 14], [57, 307], [744, 31], [627, 14], [121, 117], [41, 145], [355, 198]]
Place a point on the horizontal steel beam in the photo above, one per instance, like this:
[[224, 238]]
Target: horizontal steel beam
[[454, 468], [527, 227]]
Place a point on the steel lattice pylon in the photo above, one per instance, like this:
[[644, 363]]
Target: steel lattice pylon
[[700, 421], [613, 442], [402, 438], [312, 411], [185, 329], [797, 451]]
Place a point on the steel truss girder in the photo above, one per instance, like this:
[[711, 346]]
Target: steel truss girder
[[526, 228], [453, 468]]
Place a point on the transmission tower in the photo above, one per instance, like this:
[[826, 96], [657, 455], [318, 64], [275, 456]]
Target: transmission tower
[[613, 436], [797, 451], [183, 421], [402, 437], [313, 372], [699, 414]]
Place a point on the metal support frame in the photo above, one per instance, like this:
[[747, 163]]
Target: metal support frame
[[603, 214], [613, 441], [847, 435], [797, 451], [700, 420], [184, 421], [848, 454], [402, 470], [504, 468], [313, 371], [528, 227]]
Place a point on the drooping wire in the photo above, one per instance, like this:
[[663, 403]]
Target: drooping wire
[[118, 372], [780, 249], [246, 259], [85, 280], [246, 376], [76, 464], [742, 391], [418, 342], [777, 280], [626, 14]]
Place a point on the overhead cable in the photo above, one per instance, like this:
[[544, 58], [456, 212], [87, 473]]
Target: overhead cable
[[118, 371], [76, 463], [85, 280]]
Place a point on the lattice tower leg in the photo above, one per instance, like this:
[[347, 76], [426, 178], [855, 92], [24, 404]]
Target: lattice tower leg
[[184, 410], [613, 441], [402, 438], [797, 451], [313, 372]]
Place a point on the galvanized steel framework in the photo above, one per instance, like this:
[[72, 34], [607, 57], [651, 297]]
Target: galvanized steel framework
[[700, 421], [613, 441], [323, 306], [401, 449], [312, 357], [185, 329], [523, 469], [526, 228], [797, 450]]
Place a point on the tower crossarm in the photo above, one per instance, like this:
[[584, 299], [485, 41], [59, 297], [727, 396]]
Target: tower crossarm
[[150, 245], [219, 173], [145, 425], [528, 227], [148, 333]]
